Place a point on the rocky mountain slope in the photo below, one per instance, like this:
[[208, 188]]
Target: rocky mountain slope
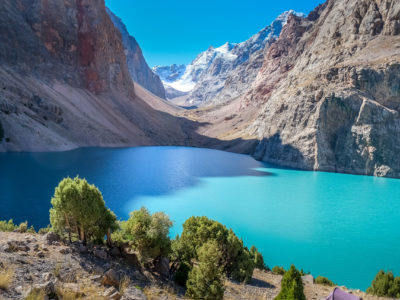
[[223, 73], [65, 81], [137, 65], [327, 96], [329, 90], [74, 271]]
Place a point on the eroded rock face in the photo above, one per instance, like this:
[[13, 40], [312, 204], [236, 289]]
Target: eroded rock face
[[329, 91], [137, 65], [64, 81]]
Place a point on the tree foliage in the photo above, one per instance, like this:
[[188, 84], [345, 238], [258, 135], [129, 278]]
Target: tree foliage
[[278, 270], [257, 258], [324, 281], [291, 286], [78, 208], [148, 233], [205, 279], [236, 260], [385, 285]]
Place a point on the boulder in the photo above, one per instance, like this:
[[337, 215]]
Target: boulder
[[111, 277], [132, 293], [100, 253], [110, 291], [307, 279], [51, 237], [162, 266]]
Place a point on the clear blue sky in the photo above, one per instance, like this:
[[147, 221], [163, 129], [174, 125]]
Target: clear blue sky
[[175, 31]]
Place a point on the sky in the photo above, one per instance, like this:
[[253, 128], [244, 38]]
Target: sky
[[175, 31]]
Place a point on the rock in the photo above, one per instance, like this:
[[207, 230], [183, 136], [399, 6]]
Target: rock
[[132, 293], [40, 254], [64, 251], [115, 252], [15, 246], [47, 276], [96, 278], [51, 237], [116, 295], [100, 253], [110, 291], [309, 279], [162, 266], [111, 277], [137, 66]]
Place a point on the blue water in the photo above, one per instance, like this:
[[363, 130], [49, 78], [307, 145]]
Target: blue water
[[344, 227]]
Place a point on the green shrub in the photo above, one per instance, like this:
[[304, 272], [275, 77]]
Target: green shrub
[[385, 285], [205, 279], [291, 286], [257, 258], [9, 225], [44, 230], [148, 233], [324, 281], [78, 209], [278, 270], [237, 261]]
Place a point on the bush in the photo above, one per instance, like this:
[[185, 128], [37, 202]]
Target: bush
[[237, 261], [9, 225], [257, 258], [385, 285], [148, 233], [205, 279], [291, 286], [79, 209], [324, 281], [278, 270]]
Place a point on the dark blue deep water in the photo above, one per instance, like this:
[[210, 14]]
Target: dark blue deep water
[[344, 227]]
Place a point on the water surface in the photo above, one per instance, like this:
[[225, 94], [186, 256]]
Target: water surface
[[344, 227]]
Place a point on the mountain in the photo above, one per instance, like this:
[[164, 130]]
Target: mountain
[[327, 96], [137, 65], [223, 73], [64, 81]]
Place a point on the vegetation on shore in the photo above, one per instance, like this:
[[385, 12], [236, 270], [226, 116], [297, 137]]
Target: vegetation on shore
[[201, 258]]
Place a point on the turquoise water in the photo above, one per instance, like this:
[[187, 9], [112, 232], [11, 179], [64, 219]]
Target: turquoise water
[[344, 227]]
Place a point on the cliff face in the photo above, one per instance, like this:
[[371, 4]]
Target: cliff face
[[65, 82], [329, 91], [137, 65]]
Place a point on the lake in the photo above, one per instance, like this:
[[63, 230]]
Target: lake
[[344, 227]]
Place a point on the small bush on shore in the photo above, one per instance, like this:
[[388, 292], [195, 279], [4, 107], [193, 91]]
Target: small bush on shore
[[278, 270], [257, 258], [237, 261], [205, 279], [8, 226], [324, 281], [291, 286], [148, 233], [385, 285]]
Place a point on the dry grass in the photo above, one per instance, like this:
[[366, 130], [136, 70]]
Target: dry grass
[[124, 284], [6, 277], [87, 292], [36, 295]]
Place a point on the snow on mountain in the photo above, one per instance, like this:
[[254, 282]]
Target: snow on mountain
[[225, 72]]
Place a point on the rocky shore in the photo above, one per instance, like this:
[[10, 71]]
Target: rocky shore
[[62, 270]]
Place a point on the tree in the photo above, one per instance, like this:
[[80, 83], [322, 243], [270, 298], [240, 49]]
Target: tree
[[237, 262], [78, 208], [385, 285], [148, 233], [205, 279], [291, 286], [257, 258]]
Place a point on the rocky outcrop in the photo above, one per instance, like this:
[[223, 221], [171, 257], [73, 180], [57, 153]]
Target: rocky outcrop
[[329, 91], [137, 65], [64, 81]]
